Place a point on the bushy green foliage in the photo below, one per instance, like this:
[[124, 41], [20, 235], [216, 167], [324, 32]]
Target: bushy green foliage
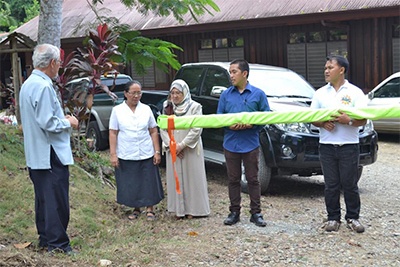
[[6, 18], [22, 11], [177, 8]]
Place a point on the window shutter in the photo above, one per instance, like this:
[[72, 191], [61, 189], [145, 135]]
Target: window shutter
[[220, 54], [147, 80], [205, 55], [297, 58], [396, 55], [235, 53], [316, 59]]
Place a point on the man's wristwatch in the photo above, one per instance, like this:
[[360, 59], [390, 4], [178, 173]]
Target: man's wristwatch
[[158, 152], [350, 122]]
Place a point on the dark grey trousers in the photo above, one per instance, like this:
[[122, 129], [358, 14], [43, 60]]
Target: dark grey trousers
[[234, 171], [52, 204]]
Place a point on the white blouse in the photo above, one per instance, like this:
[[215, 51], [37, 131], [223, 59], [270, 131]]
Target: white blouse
[[133, 141]]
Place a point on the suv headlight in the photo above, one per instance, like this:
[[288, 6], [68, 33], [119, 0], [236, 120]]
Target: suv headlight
[[293, 127], [368, 127]]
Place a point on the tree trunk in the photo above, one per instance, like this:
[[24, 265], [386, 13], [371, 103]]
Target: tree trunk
[[50, 22]]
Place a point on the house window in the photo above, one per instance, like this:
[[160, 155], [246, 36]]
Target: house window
[[221, 43], [206, 44], [236, 42], [221, 49], [337, 35], [307, 52], [314, 37], [297, 38]]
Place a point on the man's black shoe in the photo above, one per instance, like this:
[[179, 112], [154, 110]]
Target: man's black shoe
[[71, 253], [68, 252], [233, 218], [258, 220]]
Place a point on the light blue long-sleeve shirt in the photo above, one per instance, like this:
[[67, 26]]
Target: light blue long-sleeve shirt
[[43, 123]]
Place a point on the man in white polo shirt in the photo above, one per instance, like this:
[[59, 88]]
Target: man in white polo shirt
[[339, 144]]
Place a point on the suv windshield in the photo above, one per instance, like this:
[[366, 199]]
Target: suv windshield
[[280, 83]]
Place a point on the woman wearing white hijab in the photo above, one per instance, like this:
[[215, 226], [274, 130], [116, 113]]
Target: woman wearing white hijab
[[189, 165]]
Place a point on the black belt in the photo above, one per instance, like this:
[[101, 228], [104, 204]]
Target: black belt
[[338, 145]]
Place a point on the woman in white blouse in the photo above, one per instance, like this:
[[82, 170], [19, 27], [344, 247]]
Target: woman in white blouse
[[135, 153]]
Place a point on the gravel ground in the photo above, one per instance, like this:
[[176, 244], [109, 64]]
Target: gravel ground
[[295, 212]]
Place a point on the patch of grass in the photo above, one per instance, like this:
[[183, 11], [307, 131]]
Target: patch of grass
[[98, 226]]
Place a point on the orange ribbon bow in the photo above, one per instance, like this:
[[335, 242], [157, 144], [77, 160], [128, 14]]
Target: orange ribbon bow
[[172, 147]]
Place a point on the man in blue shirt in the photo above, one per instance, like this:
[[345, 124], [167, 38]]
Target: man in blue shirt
[[241, 141], [47, 149]]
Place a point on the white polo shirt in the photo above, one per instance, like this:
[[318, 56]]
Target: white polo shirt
[[133, 141], [348, 95]]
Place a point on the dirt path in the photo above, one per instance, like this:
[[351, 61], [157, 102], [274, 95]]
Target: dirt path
[[295, 211]]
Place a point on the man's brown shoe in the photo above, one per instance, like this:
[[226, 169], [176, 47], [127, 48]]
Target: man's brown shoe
[[355, 225], [332, 225]]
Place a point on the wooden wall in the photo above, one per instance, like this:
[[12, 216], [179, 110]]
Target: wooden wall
[[370, 52], [369, 46]]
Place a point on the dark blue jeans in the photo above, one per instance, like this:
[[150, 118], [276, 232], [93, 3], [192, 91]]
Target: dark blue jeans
[[340, 169]]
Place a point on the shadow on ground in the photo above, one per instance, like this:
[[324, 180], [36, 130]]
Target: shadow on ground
[[296, 186], [391, 138], [284, 186]]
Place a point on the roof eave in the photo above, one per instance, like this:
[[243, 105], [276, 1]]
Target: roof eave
[[310, 18]]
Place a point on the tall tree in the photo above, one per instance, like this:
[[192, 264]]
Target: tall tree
[[164, 8], [51, 13], [22, 10], [6, 19], [50, 22]]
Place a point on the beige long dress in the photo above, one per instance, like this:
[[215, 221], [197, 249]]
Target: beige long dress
[[193, 199]]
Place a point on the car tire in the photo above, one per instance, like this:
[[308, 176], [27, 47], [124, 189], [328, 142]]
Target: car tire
[[94, 133], [264, 176]]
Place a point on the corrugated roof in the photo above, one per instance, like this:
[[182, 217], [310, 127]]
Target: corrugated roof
[[231, 10]]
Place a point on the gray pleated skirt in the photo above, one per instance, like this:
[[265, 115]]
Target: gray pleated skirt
[[138, 183]]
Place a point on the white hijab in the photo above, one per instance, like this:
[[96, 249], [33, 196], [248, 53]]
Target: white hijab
[[181, 108]]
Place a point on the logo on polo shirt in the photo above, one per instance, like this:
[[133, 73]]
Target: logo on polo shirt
[[346, 100]]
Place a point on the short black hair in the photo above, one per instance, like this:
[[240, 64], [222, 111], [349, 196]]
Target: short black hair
[[128, 85], [243, 65], [341, 61]]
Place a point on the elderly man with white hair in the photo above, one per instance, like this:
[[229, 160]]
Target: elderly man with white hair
[[47, 149]]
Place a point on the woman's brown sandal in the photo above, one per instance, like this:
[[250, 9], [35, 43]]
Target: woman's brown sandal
[[150, 216], [134, 215]]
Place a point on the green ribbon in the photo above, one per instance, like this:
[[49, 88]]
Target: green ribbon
[[262, 118]]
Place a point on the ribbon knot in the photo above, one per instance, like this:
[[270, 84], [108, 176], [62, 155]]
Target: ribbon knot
[[172, 148]]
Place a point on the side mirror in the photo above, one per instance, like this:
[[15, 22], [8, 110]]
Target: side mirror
[[216, 91], [370, 95]]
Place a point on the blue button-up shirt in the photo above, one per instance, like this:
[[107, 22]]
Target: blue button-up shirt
[[43, 123], [250, 100]]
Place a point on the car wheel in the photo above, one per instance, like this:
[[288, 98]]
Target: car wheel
[[264, 176], [93, 132]]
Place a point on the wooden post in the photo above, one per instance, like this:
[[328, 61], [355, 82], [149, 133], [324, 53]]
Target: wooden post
[[15, 68]]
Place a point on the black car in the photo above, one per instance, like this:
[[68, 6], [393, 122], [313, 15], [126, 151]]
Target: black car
[[286, 149]]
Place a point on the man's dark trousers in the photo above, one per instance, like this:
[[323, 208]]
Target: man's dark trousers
[[52, 204], [340, 169], [234, 171]]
